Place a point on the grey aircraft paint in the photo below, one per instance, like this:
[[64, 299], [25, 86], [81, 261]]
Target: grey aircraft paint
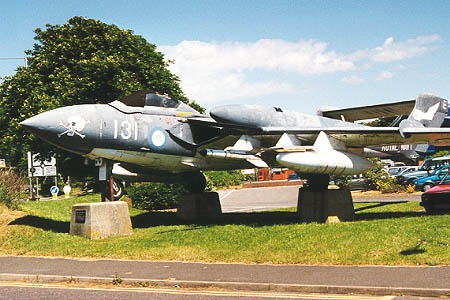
[[155, 135]]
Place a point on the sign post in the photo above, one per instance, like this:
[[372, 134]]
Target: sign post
[[38, 168]]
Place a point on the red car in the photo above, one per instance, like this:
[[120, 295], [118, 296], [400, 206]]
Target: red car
[[437, 199]]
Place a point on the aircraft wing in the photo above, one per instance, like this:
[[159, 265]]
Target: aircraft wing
[[354, 136], [370, 136], [370, 111], [426, 115]]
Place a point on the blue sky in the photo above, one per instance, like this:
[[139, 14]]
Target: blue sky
[[298, 55]]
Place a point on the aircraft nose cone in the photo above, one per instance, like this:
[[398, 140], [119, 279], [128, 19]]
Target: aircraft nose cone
[[40, 124], [69, 128]]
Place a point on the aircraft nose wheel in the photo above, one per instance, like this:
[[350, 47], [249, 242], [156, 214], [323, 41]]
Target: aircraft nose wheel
[[195, 182], [118, 190]]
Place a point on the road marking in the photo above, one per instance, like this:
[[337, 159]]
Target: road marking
[[227, 194], [192, 292]]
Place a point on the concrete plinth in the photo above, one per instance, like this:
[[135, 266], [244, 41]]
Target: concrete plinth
[[318, 205], [199, 206], [100, 220]]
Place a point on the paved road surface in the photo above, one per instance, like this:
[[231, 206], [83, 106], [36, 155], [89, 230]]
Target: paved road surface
[[26, 291]]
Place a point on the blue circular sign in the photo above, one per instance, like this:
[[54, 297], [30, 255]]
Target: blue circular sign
[[54, 190]]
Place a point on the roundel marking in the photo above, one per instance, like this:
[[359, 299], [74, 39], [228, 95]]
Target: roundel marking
[[157, 138]]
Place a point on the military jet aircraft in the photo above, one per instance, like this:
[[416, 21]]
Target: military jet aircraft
[[156, 138]]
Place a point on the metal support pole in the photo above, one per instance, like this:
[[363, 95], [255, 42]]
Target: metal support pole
[[111, 187], [31, 189], [37, 188]]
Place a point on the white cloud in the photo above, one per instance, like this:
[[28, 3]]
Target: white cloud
[[394, 51], [308, 57], [352, 80], [384, 75], [214, 71], [217, 71]]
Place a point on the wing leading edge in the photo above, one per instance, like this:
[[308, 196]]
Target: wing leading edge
[[370, 111]]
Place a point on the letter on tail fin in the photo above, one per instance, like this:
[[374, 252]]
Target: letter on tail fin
[[430, 111]]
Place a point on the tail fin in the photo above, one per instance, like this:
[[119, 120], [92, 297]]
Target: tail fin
[[429, 111]]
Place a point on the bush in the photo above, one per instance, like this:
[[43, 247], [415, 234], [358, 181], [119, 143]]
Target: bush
[[439, 154], [155, 196], [11, 187], [391, 187], [342, 181], [220, 179], [379, 179]]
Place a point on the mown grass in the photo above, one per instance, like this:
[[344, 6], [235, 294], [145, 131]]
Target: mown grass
[[397, 234]]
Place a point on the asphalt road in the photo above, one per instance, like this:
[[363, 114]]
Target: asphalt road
[[25, 291], [268, 198]]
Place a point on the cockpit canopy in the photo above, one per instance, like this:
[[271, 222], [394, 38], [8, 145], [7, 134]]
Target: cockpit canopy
[[160, 101], [149, 100]]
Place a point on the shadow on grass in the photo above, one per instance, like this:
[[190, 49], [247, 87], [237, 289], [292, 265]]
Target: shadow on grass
[[255, 219], [43, 223], [387, 215], [414, 250], [366, 216], [151, 219]]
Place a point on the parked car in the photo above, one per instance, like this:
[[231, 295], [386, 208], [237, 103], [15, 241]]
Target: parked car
[[293, 177], [358, 182], [407, 170], [437, 198], [394, 171], [425, 169], [436, 177]]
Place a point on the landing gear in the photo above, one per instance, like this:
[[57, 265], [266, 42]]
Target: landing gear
[[195, 182], [118, 189]]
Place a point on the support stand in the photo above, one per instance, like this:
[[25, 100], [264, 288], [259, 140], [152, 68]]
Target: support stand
[[316, 205], [199, 206]]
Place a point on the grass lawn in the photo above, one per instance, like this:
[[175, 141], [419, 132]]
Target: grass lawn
[[397, 234]]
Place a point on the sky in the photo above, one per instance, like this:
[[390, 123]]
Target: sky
[[298, 55]]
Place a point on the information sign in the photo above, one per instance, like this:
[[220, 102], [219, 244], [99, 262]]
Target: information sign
[[38, 168], [54, 191]]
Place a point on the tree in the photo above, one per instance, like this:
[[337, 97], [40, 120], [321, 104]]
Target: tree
[[380, 122], [81, 61]]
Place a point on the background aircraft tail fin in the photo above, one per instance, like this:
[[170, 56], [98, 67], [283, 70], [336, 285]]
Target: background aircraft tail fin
[[429, 111]]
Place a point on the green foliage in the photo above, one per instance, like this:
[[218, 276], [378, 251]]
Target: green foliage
[[379, 179], [155, 196], [381, 122], [221, 179], [81, 61], [440, 153], [11, 187], [342, 181]]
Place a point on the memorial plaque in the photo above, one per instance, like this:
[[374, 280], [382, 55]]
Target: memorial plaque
[[80, 216]]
